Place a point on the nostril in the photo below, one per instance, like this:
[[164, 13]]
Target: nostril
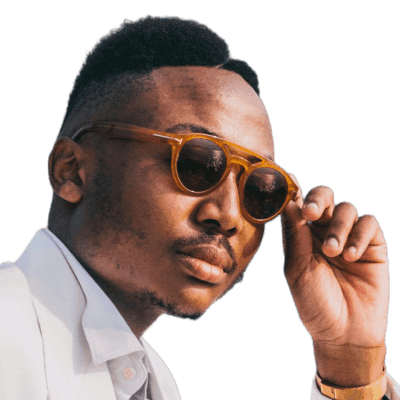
[[212, 223], [213, 227], [231, 231]]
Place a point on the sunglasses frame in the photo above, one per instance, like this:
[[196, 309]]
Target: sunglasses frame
[[178, 140]]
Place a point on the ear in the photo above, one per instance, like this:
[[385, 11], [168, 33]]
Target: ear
[[66, 171]]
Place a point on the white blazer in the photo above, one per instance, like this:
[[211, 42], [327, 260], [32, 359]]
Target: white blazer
[[43, 350]]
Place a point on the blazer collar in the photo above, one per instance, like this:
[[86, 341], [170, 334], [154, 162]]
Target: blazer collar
[[109, 337], [59, 303]]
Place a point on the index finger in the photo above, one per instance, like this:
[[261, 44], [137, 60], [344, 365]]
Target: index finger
[[318, 205]]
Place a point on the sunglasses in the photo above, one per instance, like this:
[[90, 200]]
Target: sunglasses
[[200, 163]]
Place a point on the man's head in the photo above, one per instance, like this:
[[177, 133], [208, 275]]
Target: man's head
[[120, 64], [116, 204]]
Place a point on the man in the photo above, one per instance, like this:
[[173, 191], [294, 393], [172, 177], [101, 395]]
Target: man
[[163, 179]]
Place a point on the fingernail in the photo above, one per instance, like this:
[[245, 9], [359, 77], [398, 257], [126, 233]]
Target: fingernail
[[311, 206], [352, 249], [332, 242]]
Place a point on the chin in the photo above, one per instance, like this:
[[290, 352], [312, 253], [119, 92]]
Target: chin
[[189, 304], [189, 307], [192, 302], [193, 317]]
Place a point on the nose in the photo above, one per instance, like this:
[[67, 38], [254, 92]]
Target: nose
[[219, 211]]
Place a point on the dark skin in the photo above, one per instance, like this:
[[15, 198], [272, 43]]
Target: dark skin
[[127, 240]]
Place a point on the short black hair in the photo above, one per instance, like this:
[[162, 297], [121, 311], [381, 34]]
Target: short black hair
[[135, 49]]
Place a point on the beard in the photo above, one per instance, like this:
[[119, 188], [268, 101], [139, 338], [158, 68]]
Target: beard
[[151, 299]]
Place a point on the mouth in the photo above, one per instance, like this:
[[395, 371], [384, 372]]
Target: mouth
[[206, 263]]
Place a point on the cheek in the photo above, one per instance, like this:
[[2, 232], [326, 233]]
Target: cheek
[[153, 202], [250, 242]]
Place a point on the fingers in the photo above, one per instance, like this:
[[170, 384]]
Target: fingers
[[344, 217], [319, 205], [366, 232], [341, 231]]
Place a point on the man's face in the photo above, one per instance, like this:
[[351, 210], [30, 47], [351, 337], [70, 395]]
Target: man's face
[[146, 238]]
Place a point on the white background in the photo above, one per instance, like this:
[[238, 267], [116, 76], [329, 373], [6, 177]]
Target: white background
[[329, 76]]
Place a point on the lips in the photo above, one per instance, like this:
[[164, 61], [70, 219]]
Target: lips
[[207, 263]]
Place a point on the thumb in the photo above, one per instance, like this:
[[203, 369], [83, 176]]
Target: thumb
[[297, 239]]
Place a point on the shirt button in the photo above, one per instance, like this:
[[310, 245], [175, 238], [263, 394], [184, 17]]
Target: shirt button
[[129, 373]]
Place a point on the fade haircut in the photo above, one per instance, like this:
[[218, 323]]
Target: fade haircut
[[120, 64]]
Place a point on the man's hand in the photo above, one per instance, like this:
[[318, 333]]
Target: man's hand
[[336, 266]]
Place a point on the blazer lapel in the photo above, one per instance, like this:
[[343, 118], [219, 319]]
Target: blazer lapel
[[162, 383], [59, 302]]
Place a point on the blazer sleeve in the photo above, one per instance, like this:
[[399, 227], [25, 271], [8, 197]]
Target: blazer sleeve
[[22, 371], [392, 393]]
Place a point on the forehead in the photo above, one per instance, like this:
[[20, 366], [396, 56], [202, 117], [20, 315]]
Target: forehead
[[218, 101]]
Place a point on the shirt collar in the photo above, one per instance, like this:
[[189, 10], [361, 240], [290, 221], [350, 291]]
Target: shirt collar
[[106, 331]]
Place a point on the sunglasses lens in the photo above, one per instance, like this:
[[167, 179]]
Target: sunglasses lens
[[265, 192], [201, 164]]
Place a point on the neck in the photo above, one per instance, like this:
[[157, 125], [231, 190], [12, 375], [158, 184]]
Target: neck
[[136, 309]]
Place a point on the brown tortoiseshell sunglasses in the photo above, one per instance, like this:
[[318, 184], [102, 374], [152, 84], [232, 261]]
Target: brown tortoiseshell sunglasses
[[200, 163]]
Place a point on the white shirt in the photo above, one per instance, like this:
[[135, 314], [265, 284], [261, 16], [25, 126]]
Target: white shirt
[[109, 337]]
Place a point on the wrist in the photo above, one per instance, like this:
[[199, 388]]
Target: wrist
[[348, 365], [374, 391]]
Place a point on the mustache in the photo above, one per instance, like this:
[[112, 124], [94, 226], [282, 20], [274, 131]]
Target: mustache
[[203, 238]]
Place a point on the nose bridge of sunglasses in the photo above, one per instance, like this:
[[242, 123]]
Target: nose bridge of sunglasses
[[241, 161], [242, 157]]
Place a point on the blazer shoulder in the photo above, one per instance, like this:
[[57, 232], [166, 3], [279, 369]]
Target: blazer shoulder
[[21, 348], [14, 292], [19, 324]]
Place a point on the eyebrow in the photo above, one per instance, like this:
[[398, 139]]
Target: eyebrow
[[193, 128]]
